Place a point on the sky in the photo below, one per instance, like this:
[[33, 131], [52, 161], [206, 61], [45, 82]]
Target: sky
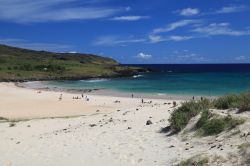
[[132, 31]]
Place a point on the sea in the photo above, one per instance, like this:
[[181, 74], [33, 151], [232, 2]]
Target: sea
[[173, 79]]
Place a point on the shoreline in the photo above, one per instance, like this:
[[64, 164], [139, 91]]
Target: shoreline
[[19, 103], [38, 85]]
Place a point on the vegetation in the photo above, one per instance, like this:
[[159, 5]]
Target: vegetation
[[244, 150], [216, 125], [241, 101], [209, 124], [197, 161], [181, 116], [18, 64]]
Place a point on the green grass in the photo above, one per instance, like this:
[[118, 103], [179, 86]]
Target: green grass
[[23, 64], [240, 101], [194, 161], [244, 150], [215, 125], [181, 116]]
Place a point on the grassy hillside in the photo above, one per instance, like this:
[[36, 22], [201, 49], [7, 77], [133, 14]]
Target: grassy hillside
[[18, 64]]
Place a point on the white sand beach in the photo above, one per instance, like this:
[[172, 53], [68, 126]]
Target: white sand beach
[[99, 132]]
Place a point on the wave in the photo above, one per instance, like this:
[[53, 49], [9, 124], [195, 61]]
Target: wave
[[95, 80], [137, 76]]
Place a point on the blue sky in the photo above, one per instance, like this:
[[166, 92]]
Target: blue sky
[[132, 31]]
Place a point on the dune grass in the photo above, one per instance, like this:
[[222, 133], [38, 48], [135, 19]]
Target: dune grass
[[244, 150], [196, 160], [207, 124], [240, 101], [181, 116]]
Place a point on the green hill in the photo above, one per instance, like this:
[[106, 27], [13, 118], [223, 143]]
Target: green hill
[[17, 64]]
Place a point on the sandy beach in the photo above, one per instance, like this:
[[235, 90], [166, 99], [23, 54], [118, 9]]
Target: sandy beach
[[102, 131]]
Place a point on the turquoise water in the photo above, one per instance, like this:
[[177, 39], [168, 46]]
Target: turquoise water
[[179, 83]]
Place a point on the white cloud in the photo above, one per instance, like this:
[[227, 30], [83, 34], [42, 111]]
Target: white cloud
[[116, 40], [232, 9], [26, 11], [144, 56], [129, 18], [159, 38], [219, 29], [175, 25], [189, 12], [241, 58]]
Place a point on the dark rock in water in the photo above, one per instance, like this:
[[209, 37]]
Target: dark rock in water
[[149, 122]]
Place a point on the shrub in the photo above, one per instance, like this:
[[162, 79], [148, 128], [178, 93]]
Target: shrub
[[181, 116], [217, 125], [196, 160], [244, 104], [203, 119], [226, 102], [244, 150]]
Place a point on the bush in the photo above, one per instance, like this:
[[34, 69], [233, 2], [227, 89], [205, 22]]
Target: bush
[[244, 103], [226, 102], [181, 116], [203, 119], [217, 125], [196, 160]]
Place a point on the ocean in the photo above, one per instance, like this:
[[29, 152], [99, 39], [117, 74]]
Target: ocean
[[175, 79]]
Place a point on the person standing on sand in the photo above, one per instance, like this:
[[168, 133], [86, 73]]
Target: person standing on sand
[[132, 95], [142, 101]]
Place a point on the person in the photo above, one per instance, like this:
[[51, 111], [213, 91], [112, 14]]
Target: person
[[193, 97], [82, 95], [142, 101], [60, 98], [132, 95]]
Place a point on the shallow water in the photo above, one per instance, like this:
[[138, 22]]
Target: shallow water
[[209, 80]]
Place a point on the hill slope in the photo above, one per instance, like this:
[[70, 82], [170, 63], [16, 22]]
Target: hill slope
[[17, 64]]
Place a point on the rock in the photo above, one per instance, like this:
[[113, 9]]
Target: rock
[[129, 128], [92, 125], [149, 122], [12, 124], [171, 146], [97, 110], [28, 125], [118, 110]]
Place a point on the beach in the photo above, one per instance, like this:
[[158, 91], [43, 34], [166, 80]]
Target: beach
[[40, 129]]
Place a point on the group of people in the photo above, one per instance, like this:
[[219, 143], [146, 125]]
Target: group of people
[[77, 97]]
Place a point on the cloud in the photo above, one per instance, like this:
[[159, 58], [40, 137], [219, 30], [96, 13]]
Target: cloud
[[220, 29], [129, 18], [185, 56], [158, 38], [26, 11], [144, 56], [241, 58], [232, 9], [189, 11], [56, 47], [175, 25], [116, 40]]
